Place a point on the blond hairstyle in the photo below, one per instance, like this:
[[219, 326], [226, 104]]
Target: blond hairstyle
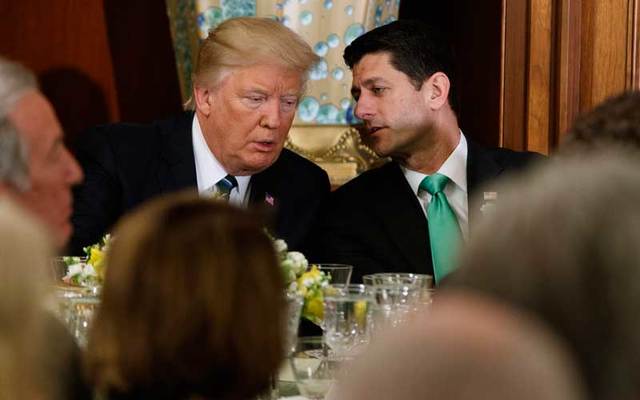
[[192, 304], [25, 254], [246, 41]]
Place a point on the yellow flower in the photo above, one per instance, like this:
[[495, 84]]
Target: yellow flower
[[360, 311], [96, 259], [314, 308]]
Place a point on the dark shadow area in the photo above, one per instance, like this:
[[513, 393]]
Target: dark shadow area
[[78, 101], [474, 31], [144, 64]]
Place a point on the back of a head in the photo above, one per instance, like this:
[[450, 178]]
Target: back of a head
[[24, 266], [616, 121], [192, 303], [246, 41], [465, 348], [563, 244], [14, 169], [15, 81], [416, 49]]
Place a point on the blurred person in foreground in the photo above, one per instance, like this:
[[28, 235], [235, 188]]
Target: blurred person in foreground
[[562, 244], [38, 173], [403, 85], [192, 304], [614, 122], [465, 348], [38, 358], [247, 83]]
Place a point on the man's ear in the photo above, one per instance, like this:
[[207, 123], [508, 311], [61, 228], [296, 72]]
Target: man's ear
[[203, 98], [437, 90]]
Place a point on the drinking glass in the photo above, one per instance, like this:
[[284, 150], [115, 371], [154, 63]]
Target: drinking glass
[[294, 302], [312, 370], [394, 304], [339, 274], [77, 308], [423, 282], [347, 318]]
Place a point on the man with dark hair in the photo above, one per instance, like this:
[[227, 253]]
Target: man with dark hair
[[378, 222]]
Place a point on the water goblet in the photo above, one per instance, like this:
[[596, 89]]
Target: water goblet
[[77, 308], [347, 318], [339, 274], [294, 302], [313, 371]]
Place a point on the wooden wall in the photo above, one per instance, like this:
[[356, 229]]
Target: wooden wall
[[525, 68], [98, 61], [561, 58]]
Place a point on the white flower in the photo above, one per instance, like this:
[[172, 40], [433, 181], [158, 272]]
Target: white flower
[[75, 269], [280, 245], [299, 262]]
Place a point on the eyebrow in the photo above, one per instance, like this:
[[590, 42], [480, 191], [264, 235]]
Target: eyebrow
[[368, 83]]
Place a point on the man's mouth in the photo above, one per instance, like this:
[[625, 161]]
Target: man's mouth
[[265, 145]]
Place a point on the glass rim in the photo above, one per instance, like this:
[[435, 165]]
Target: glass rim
[[333, 266]]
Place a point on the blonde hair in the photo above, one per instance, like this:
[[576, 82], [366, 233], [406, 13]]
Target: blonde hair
[[192, 304], [25, 254], [246, 41]]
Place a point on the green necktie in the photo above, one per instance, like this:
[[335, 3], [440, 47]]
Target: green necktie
[[444, 231]]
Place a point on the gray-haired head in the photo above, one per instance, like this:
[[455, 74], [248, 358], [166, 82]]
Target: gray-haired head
[[14, 169], [15, 81]]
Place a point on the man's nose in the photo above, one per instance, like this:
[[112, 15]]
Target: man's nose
[[271, 115], [364, 109], [73, 171]]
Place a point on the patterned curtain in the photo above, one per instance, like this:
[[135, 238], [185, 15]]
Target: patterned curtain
[[327, 25]]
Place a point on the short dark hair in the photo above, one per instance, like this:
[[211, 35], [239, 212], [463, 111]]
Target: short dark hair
[[416, 49], [614, 121]]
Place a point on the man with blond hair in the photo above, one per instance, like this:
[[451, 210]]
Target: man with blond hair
[[248, 79], [36, 169]]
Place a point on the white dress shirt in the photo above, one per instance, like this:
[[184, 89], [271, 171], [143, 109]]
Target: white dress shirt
[[454, 168], [209, 170]]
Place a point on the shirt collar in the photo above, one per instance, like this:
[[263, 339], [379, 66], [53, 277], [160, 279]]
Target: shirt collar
[[208, 169], [454, 168]]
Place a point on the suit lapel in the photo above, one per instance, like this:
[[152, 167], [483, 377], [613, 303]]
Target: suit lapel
[[482, 169], [397, 207], [177, 170]]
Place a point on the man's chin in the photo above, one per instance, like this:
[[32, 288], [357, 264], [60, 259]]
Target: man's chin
[[257, 165]]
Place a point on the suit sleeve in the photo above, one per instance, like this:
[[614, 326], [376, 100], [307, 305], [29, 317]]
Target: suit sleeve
[[97, 199]]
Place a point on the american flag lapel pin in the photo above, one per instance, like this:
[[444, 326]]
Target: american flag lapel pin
[[268, 198]]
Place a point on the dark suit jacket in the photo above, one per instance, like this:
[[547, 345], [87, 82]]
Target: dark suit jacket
[[376, 223], [126, 164]]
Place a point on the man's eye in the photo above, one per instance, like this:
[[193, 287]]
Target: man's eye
[[378, 90], [289, 104]]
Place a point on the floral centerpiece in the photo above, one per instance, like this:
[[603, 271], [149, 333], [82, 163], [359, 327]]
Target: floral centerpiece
[[88, 271], [308, 281], [301, 278]]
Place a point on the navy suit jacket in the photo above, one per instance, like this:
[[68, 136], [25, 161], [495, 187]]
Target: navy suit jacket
[[375, 222], [127, 164]]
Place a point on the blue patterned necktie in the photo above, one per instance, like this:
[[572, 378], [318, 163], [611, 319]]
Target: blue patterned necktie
[[225, 185], [444, 231]]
